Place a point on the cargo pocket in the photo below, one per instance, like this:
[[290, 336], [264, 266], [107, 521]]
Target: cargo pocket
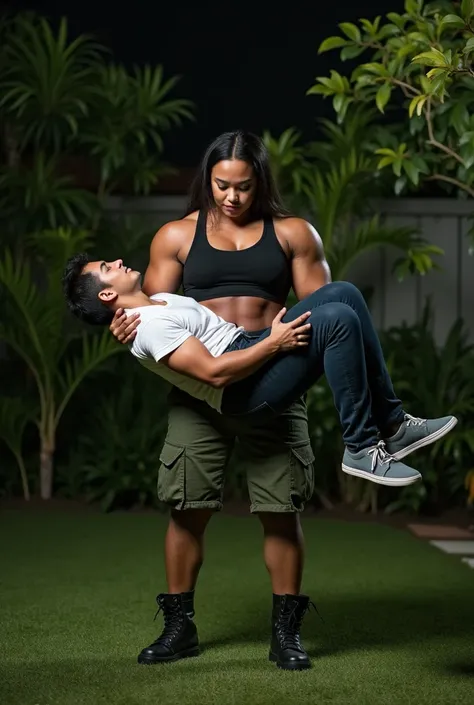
[[171, 476], [302, 475]]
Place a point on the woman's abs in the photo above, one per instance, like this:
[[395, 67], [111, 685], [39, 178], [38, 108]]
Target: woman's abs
[[250, 312]]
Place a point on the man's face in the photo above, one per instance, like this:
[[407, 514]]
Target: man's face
[[116, 278]]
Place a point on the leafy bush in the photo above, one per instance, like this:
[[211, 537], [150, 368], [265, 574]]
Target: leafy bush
[[433, 381], [420, 60], [115, 457]]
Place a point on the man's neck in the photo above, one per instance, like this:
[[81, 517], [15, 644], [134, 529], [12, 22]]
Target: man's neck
[[138, 300]]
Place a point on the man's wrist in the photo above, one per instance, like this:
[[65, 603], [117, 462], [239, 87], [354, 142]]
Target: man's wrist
[[271, 346]]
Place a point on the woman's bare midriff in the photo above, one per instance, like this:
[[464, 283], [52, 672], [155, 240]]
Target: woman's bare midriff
[[250, 312]]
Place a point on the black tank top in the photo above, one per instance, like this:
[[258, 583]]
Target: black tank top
[[262, 270]]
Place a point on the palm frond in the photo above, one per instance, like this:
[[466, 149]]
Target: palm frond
[[96, 349], [15, 276], [373, 233], [15, 414], [48, 80]]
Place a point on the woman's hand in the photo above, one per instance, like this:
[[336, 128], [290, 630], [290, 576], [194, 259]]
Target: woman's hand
[[124, 327], [288, 336]]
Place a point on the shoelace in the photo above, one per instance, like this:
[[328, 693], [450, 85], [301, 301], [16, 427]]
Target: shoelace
[[290, 624], [379, 455], [414, 420], [173, 622]]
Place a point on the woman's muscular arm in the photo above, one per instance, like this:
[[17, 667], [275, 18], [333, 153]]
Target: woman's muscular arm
[[309, 268], [164, 272]]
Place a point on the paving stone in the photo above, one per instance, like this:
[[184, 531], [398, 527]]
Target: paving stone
[[440, 531]]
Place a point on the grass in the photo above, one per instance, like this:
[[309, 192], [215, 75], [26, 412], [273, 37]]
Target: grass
[[77, 604]]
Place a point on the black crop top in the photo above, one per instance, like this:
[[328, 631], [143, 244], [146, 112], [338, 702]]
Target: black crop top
[[262, 270]]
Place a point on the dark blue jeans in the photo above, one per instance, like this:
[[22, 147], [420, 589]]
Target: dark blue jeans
[[345, 346]]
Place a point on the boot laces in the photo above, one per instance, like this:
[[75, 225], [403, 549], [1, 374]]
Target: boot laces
[[414, 420], [289, 625], [173, 618], [379, 455]]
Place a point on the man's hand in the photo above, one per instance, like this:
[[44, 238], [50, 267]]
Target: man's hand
[[288, 336], [124, 327]]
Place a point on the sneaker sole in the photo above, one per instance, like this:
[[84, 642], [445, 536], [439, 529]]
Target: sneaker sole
[[435, 436], [190, 653], [388, 481], [289, 667]]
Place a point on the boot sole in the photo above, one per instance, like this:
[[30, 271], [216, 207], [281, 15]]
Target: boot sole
[[379, 480], [432, 438], [289, 667], [189, 653]]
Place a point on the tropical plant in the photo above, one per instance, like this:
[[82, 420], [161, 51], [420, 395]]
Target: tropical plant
[[60, 102], [288, 158], [15, 414], [421, 59], [37, 327], [124, 132], [115, 456], [35, 197], [62, 105], [337, 178], [127, 235], [47, 84]]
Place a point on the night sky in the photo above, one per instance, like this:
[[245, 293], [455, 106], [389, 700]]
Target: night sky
[[243, 67]]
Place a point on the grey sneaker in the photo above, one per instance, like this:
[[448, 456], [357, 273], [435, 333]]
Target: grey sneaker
[[415, 433], [376, 465]]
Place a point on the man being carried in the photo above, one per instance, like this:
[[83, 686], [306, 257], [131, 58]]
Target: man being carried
[[329, 332]]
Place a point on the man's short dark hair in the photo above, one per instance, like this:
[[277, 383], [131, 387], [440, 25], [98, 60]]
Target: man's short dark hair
[[82, 292]]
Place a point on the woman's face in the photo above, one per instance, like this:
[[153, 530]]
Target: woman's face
[[233, 186]]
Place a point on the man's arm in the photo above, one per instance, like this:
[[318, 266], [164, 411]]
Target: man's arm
[[310, 271], [166, 342], [193, 359]]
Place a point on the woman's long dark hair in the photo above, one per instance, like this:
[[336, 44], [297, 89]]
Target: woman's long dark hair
[[245, 146]]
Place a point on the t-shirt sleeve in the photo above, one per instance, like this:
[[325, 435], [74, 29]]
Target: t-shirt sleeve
[[162, 336]]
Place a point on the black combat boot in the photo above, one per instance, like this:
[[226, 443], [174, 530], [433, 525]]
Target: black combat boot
[[179, 638], [287, 616]]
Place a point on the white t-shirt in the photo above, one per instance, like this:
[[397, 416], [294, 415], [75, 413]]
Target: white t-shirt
[[164, 328]]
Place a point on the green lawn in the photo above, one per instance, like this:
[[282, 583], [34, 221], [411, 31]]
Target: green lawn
[[77, 604]]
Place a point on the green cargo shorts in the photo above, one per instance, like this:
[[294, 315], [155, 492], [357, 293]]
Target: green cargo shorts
[[278, 457]]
